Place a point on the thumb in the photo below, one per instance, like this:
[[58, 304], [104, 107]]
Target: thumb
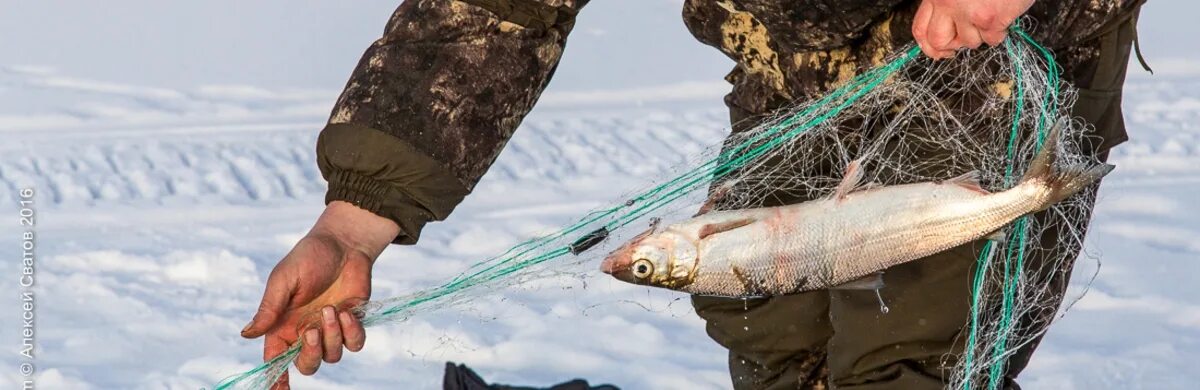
[[274, 303]]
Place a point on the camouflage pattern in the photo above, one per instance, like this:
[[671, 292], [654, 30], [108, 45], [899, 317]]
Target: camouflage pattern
[[796, 50], [453, 80], [448, 83], [432, 103], [839, 339]]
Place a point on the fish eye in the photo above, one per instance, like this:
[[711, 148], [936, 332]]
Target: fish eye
[[642, 268]]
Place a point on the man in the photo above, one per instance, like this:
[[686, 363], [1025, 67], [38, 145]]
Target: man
[[432, 103]]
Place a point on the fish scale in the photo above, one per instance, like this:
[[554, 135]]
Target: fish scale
[[826, 248]]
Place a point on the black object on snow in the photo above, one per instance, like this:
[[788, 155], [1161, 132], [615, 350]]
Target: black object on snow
[[460, 377]]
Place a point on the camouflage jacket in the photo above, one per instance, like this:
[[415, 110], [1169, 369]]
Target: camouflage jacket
[[431, 103]]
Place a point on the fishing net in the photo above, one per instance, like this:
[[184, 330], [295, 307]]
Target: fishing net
[[908, 120]]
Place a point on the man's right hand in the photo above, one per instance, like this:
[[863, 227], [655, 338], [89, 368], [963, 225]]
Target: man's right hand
[[941, 27], [311, 291]]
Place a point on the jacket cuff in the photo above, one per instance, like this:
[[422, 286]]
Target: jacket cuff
[[364, 192], [387, 176], [378, 198]]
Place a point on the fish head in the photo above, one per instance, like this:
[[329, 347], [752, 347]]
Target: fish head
[[667, 259]]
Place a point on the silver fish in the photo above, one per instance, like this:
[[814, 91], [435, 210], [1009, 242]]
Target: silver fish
[[843, 241]]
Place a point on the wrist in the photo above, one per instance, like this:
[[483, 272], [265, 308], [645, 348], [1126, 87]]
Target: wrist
[[356, 228]]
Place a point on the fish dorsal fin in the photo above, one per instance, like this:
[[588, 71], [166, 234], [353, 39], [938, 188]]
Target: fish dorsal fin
[[720, 227], [969, 180], [1043, 163], [708, 205], [715, 195], [852, 181]]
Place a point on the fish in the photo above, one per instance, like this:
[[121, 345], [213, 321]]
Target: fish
[[844, 240]]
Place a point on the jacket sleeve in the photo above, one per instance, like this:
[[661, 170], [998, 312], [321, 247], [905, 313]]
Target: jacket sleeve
[[431, 103]]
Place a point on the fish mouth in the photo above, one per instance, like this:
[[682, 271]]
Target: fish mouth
[[619, 267], [613, 265]]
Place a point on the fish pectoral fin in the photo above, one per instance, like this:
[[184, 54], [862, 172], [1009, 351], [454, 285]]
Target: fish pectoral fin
[[721, 227], [747, 284], [870, 282], [750, 286], [852, 181], [998, 236], [969, 180]]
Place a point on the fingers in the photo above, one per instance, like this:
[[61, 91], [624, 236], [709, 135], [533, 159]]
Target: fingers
[[941, 34], [332, 332], [325, 343], [274, 303], [311, 350], [282, 383], [934, 30], [273, 345], [352, 331], [992, 26], [994, 37], [920, 27], [967, 36]]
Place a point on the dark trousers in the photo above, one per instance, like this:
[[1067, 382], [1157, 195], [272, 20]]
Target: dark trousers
[[840, 339]]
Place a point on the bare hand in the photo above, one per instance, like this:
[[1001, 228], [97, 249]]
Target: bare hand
[[312, 290], [943, 26]]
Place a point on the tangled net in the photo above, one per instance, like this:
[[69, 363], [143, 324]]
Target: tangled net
[[909, 120]]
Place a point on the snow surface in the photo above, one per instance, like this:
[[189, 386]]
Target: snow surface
[[172, 173]]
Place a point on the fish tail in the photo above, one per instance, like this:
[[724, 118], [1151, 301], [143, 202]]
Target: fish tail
[[1060, 182]]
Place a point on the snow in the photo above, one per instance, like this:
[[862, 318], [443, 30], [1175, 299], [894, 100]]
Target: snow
[[172, 174]]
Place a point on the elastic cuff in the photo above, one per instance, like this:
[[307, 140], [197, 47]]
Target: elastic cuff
[[359, 190], [386, 176]]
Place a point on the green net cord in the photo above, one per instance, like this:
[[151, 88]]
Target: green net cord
[[1014, 251], [551, 247], [521, 256]]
